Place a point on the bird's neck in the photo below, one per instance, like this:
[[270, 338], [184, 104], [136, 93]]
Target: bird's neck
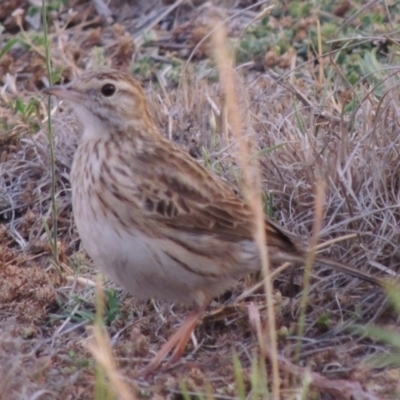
[[104, 130]]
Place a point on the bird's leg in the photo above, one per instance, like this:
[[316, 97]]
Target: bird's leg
[[186, 333], [176, 343]]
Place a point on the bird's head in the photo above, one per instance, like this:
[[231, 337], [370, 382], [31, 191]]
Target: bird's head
[[106, 101]]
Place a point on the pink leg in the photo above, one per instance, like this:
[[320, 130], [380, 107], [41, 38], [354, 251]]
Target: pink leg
[[177, 343]]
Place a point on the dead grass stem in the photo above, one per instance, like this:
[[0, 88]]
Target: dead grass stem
[[252, 189]]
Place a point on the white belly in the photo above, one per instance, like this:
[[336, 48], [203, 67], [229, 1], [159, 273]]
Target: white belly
[[139, 263]]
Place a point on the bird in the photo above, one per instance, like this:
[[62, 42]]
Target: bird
[[151, 217]]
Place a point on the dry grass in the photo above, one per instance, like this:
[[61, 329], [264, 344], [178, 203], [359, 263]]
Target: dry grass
[[304, 131]]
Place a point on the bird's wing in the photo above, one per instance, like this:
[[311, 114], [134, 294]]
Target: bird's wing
[[181, 194]]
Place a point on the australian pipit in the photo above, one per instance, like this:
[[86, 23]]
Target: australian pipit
[[152, 218]]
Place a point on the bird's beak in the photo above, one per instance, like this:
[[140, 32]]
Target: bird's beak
[[65, 92]]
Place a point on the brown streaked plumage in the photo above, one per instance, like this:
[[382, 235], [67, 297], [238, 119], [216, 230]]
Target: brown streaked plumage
[[152, 218]]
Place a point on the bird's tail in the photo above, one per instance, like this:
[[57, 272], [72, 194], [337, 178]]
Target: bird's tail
[[301, 257], [351, 271]]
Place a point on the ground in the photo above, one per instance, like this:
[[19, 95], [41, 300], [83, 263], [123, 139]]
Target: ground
[[317, 86]]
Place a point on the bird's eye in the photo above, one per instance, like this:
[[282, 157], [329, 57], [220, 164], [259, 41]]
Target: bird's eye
[[108, 90]]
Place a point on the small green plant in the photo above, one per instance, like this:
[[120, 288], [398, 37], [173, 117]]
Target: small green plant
[[81, 310], [27, 111], [51, 6], [299, 9], [37, 39], [77, 360], [100, 59], [56, 73], [112, 306], [174, 73], [391, 338], [255, 42], [8, 45], [324, 321], [268, 201], [144, 68]]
